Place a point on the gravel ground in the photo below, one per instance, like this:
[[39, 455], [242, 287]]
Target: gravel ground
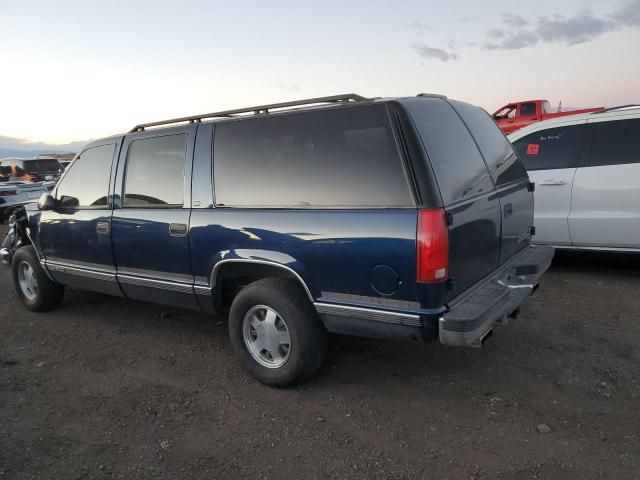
[[110, 388]]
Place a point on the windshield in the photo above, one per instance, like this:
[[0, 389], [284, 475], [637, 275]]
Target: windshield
[[42, 165]]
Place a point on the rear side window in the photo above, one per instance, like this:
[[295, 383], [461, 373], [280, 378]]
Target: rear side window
[[86, 183], [49, 166], [456, 160], [334, 157], [527, 109], [155, 172], [501, 159], [552, 148], [616, 142]]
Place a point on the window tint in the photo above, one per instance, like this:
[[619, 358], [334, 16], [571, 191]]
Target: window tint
[[332, 157], [155, 172], [86, 183], [552, 148], [458, 165], [501, 159], [527, 109], [616, 142]]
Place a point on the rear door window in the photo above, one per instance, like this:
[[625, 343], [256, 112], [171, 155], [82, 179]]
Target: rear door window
[[501, 159], [616, 142], [552, 148], [459, 168], [155, 172], [338, 157]]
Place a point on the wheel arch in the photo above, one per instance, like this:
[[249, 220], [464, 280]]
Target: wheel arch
[[253, 269]]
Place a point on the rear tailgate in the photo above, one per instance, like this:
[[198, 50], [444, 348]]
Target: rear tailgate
[[513, 188]]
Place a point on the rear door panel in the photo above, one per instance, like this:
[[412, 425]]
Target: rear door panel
[[552, 205], [151, 233], [515, 201]]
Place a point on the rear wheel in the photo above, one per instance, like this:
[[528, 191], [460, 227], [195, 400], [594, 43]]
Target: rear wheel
[[36, 291], [276, 331]]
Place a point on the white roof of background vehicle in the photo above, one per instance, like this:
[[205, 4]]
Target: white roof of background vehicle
[[613, 113]]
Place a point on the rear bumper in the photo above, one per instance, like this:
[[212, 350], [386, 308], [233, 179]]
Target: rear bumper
[[471, 317]]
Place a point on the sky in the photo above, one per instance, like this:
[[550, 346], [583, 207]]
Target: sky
[[76, 70]]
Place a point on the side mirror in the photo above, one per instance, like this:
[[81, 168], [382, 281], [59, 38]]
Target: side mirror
[[46, 202]]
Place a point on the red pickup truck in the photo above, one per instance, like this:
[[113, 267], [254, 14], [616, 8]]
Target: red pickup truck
[[514, 116]]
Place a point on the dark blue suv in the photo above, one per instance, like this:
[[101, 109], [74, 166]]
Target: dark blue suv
[[403, 218]]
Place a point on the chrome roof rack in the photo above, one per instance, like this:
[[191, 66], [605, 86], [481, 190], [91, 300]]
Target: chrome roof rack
[[619, 107], [257, 110], [432, 95]]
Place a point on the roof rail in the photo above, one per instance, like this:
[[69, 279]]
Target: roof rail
[[257, 110], [432, 95], [619, 107]]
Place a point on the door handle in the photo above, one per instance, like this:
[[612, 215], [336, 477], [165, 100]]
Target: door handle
[[553, 181], [178, 229], [102, 227]]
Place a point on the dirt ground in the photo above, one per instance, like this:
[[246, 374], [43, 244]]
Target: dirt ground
[[105, 387]]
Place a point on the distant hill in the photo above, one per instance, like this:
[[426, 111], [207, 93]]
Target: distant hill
[[16, 147]]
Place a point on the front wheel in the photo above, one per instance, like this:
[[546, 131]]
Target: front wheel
[[276, 331], [35, 290]]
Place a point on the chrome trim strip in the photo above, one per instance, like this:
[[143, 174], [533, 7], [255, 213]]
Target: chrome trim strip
[[79, 264], [217, 266], [201, 290], [151, 283], [370, 314], [153, 274], [81, 272], [382, 301]]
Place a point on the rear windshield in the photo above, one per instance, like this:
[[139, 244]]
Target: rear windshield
[[459, 168], [501, 159], [42, 165], [338, 157]]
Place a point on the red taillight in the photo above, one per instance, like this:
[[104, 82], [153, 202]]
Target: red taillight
[[8, 193], [433, 246]]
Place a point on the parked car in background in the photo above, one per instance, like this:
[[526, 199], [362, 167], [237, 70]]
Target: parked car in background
[[406, 219], [16, 193], [514, 116], [37, 168], [587, 174]]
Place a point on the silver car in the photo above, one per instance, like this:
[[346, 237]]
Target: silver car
[[17, 192]]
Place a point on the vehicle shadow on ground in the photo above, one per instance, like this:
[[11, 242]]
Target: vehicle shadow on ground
[[595, 262]]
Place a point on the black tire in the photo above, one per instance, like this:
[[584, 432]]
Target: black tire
[[47, 295], [308, 346]]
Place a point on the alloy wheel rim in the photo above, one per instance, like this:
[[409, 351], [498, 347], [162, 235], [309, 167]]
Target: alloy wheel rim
[[266, 336], [27, 281]]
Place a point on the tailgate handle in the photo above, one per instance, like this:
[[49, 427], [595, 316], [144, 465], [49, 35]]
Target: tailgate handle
[[102, 227], [508, 210], [178, 229]]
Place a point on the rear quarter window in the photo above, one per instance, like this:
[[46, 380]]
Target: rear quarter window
[[501, 159], [459, 168], [615, 142], [337, 157]]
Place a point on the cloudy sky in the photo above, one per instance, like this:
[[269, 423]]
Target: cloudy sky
[[73, 70]]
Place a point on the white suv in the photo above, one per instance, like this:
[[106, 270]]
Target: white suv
[[587, 174]]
